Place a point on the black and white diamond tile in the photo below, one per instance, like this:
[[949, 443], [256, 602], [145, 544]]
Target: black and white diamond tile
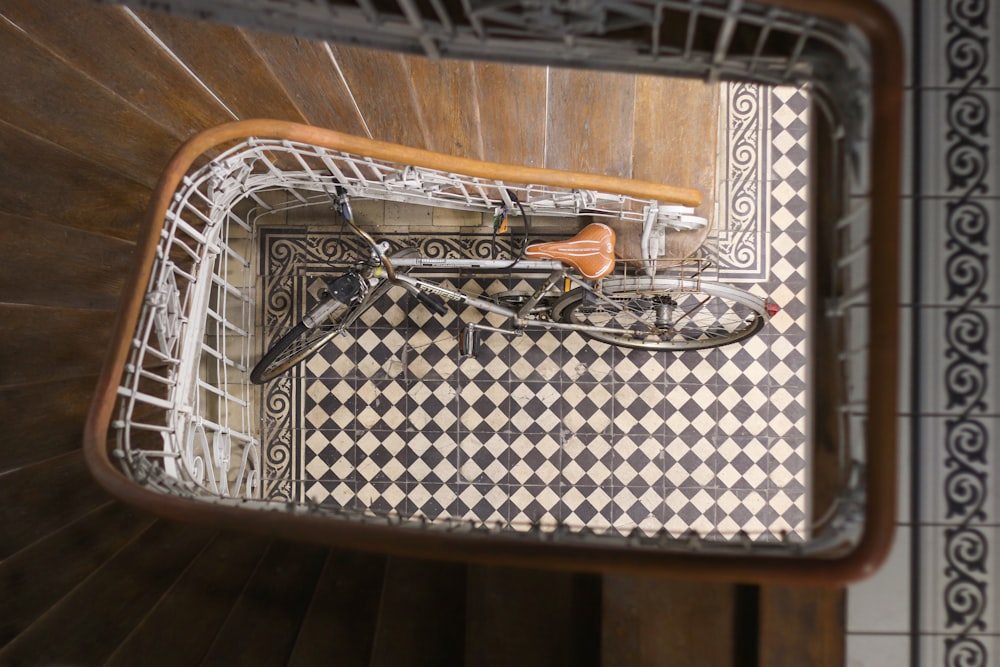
[[552, 428]]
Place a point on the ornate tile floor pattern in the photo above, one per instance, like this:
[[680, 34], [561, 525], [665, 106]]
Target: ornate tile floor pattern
[[552, 428]]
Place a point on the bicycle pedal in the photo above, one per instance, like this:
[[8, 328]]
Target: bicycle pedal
[[468, 342]]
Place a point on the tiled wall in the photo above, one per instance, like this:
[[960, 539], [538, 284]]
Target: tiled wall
[[935, 601]]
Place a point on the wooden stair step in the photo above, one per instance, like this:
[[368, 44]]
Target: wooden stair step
[[43, 421], [388, 108], [589, 122], [38, 576], [68, 267], [242, 80], [308, 77], [342, 617], [37, 87], [196, 605], [512, 100], [78, 192], [802, 625], [528, 618], [41, 344], [651, 621], [38, 500], [107, 45], [422, 614], [264, 622], [85, 626]]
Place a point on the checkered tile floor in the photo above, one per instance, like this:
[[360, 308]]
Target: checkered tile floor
[[553, 428]]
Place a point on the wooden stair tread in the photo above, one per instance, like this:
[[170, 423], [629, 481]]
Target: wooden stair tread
[[106, 44], [242, 80], [38, 500], [44, 421], [195, 606], [421, 616], [264, 622], [85, 626], [42, 344], [79, 192], [650, 621], [68, 267], [512, 101], [38, 576], [343, 614], [37, 89], [589, 122], [528, 618], [388, 109], [802, 625]]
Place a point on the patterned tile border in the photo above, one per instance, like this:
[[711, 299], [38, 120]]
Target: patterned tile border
[[969, 346]]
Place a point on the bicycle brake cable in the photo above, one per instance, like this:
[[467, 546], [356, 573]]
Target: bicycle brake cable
[[524, 239]]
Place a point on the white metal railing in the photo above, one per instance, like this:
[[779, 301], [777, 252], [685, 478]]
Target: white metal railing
[[185, 406], [184, 400]]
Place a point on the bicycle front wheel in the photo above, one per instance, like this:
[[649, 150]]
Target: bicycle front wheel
[[323, 322], [665, 313], [293, 348]]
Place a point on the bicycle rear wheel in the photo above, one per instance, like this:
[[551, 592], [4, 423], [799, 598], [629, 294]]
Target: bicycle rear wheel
[[665, 313]]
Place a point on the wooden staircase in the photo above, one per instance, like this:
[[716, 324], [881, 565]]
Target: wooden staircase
[[94, 101]]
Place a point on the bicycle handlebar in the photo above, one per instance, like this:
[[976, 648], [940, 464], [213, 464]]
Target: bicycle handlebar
[[390, 271], [344, 208]]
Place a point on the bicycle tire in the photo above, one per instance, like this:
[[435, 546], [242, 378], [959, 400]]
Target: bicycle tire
[[647, 305], [277, 360]]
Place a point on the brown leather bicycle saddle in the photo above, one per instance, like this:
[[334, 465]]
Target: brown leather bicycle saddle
[[591, 252]]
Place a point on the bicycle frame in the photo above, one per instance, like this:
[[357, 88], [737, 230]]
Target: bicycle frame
[[559, 274]]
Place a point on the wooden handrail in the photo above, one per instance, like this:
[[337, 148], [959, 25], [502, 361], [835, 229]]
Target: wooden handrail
[[885, 49]]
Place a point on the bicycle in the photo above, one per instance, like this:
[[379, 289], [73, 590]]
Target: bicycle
[[631, 307]]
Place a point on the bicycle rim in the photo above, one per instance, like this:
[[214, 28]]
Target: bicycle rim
[[665, 313]]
